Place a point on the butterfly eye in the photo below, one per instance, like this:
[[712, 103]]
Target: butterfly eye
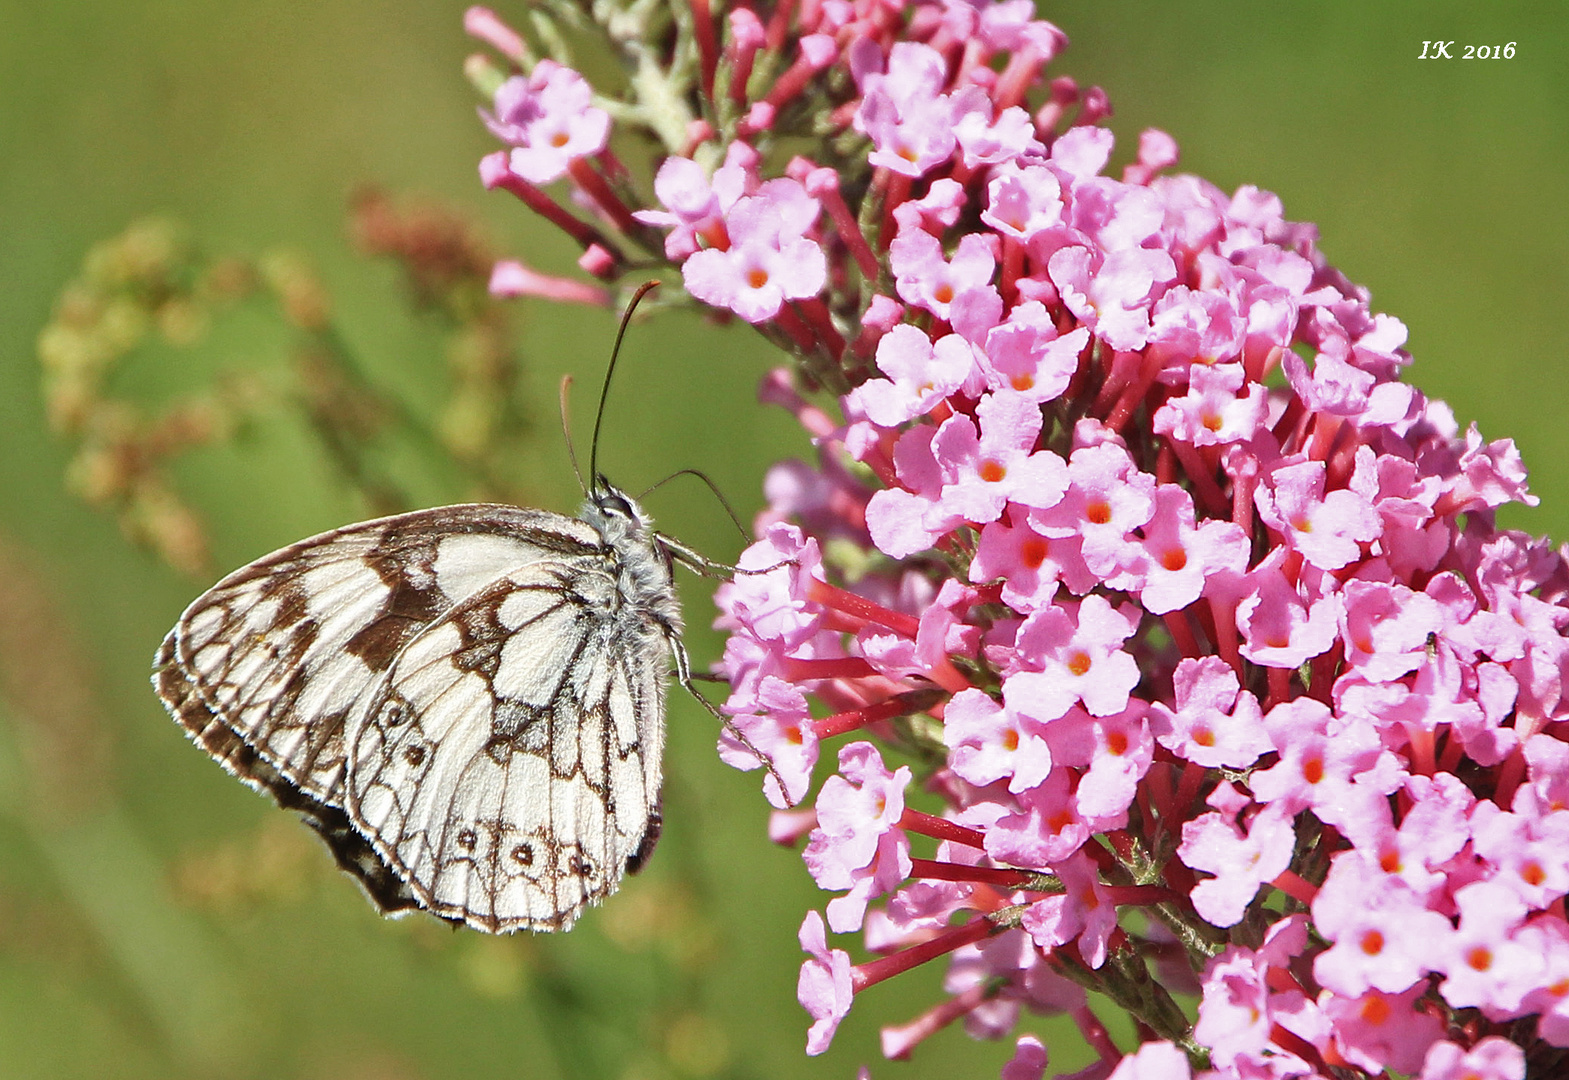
[[613, 503]]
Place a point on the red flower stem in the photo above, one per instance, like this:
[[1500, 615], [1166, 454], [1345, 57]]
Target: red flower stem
[[844, 115], [848, 667], [1118, 374], [1016, 78], [1325, 428], [1223, 614], [799, 332], [843, 694], [841, 723], [1193, 776], [822, 325], [615, 170], [824, 183], [742, 53], [886, 967], [832, 596], [1181, 632], [1295, 1044], [1325, 665], [880, 460], [1012, 269], [1280, 980], [707, 44], [608, 201], [1122, 843], [945, 675], [1294, 886], [792, 81], [940, 829], [1243, 485], [1139, 895], [975, 53], [865, 343], [896, 189], [1000, 876], [898, 1040], [1179, 879], [1140, 385], [1510, 774], [1095, 1034], [1287, 428], [1279, 682], [779, 25], [483, 24], [547, 208], [1209, 494], [1154, 795], [840, 622], [961, 173], [1165, 464], [1450, 757]]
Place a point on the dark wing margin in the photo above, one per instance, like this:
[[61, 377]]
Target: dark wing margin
[[350, 850]]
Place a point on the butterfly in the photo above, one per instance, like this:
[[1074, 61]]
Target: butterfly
[[466, 703]]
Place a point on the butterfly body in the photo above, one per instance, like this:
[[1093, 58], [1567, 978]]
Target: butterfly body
[[467, 703]]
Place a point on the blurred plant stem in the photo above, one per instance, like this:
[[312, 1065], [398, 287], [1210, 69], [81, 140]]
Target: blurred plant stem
[[149, 296]]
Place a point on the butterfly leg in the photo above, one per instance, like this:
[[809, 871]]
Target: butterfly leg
[[706, 567], [684, 677]]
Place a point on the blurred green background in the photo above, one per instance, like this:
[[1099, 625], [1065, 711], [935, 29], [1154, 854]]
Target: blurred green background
[[158, 920]]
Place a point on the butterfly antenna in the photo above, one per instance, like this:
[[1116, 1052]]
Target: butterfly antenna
[[566, 430], [704, 477], [604, 391]]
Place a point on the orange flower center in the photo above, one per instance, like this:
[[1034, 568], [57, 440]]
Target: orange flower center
[[1313, 770]]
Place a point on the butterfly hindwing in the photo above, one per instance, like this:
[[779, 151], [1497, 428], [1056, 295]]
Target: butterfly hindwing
[[509, 765]]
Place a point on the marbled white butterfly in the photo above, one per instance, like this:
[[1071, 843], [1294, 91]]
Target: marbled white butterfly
[[467, 703]]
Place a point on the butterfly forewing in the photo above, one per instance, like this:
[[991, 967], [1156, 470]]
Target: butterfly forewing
[[467, 702], [509, 766], [278, 651]]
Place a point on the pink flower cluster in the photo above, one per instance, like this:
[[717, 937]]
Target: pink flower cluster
[[1130, 548]]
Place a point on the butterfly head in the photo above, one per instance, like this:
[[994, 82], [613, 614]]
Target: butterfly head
[[618, 518], [643, 561], [609, 506]]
